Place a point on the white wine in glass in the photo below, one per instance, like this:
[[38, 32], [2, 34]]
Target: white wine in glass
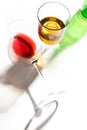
[[53, 18]]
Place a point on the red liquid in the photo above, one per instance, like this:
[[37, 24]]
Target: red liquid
[[23, 46]]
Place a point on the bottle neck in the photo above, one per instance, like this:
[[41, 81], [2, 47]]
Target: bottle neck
[[84, 11]]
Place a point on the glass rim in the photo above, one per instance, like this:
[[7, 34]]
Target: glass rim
[[56, 2]]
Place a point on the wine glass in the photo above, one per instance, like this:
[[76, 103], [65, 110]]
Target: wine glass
[[53, 18], [21, 45], [22, 48]]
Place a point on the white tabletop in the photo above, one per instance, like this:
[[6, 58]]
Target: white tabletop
[[67, 73]]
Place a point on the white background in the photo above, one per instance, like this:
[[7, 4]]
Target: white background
[[67, 73]]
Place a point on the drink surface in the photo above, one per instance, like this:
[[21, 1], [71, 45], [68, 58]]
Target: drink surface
[[50, 30]]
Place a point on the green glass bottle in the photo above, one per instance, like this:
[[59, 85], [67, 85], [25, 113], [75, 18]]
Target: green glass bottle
[[75, 30]]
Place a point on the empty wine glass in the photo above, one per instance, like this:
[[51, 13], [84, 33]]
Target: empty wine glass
[[23, 48]]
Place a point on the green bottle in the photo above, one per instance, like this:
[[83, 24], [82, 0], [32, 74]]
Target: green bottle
[[75, 30]]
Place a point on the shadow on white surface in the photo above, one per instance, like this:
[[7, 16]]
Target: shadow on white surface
[[14, 82]]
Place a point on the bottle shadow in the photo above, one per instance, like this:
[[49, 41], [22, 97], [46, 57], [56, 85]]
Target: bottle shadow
[[14, 81]]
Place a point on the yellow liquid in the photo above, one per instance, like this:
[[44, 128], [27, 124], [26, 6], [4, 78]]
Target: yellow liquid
[[51, 29]]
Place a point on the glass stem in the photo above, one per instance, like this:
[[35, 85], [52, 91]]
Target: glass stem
[[33, 101], [36, 108], [37, 68]]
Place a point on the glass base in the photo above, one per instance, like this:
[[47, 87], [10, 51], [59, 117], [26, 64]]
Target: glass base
[[42, 115]]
